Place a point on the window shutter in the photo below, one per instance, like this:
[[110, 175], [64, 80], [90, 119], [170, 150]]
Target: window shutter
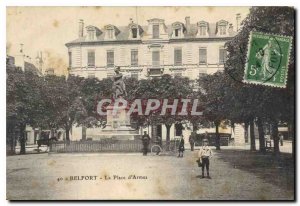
[[202, 55], [178, 56], [134, 57], [70, 59], [91, 58], [110, 58], [222, 56], [156, 58], [155, 31]]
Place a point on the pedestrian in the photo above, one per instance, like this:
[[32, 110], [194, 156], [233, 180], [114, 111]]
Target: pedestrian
[[280, 139], [268, 141], [146, 141], [205, 153], [192, 140], [181, 147]]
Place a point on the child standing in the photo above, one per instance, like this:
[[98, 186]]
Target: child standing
[[204, 154]]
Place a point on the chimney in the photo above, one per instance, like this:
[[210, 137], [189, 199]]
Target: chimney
[[238, 20], [187, 23], [80, 31]]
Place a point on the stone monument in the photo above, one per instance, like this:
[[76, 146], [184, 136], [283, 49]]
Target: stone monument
[[118, 123]]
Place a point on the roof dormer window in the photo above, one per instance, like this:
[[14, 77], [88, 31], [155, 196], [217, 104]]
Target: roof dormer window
[[177, 30], [92, 33], [202, 28], [110, 32], [222, 28], [134, 32], [155, 31]]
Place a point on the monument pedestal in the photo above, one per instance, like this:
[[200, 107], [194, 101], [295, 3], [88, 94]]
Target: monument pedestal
[[118, 125]]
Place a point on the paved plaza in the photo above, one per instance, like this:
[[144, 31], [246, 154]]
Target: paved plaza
[[236, 175]]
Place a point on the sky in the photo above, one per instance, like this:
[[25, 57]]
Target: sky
[[48, 29]]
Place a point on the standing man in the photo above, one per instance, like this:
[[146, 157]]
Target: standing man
[[181, 147], [280, 139], [192, 140], [204, 154], [146, 141]]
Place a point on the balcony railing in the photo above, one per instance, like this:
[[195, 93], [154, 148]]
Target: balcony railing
[[155, 71]]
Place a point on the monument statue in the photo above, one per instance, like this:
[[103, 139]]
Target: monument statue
[[118, 124], [119, 89]]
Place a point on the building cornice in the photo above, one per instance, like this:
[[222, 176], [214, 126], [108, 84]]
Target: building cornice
[[201, 39], [89, 43], [138, 41]]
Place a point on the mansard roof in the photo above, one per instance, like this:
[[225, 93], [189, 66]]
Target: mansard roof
[[123, 32]]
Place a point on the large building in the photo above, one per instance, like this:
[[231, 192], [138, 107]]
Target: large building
[[142, 51], [147, 51]]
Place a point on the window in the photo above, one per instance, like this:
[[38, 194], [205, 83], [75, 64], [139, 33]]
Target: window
[[70, 59], [134, 57], [202, 56], [91, 35], [177, 32], [178, 56], [202, 31], [110, 58], [91, 58], [134, 33], [91, 75], [155, 31], [222, 30], [156, 58], [110, 33], [222, 55]]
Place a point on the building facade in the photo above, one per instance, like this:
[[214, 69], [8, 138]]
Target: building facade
[[148, 51], [182, 49]]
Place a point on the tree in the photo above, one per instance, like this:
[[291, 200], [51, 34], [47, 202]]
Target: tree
[[64, 102], [273, 106], [165, 87], [213, 90], [24, 104]]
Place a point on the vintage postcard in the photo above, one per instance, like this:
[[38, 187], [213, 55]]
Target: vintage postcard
[[150, 103]]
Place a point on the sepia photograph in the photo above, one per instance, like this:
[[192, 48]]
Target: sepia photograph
[[150, 103]]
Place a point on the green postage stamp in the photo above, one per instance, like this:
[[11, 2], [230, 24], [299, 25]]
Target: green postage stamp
[[267, 59]]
